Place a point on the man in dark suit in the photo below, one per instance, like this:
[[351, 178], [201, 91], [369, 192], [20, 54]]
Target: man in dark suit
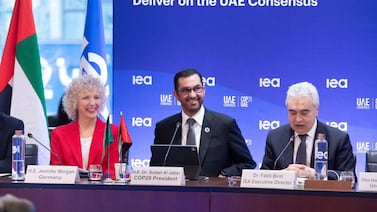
[[8, 125], [222, 148], [302, 103]]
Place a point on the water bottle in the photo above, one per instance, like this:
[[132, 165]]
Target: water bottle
[[321, 156], [18, 156]]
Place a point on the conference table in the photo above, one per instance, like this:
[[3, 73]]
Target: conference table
[[213, 194]]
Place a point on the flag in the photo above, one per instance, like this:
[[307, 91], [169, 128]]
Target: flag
[[21, 85], [93, 56], [107, 138], [124, 139]]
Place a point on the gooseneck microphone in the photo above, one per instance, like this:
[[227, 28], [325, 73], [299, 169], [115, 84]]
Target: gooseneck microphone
[[291, 139], [177, 126], [30, 135]]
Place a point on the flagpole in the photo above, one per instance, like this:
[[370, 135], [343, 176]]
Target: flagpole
[[108, 178], [119, 142], [121, 177], [124, 143], [108, 165]]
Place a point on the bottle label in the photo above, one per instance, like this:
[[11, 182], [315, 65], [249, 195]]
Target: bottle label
[[321, 157], [321, 153], [18, 158], [16, 149]]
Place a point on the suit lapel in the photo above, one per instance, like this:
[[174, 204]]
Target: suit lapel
[[75, 143], [206, 133], [178, 136], [95, 152], [288, 157]]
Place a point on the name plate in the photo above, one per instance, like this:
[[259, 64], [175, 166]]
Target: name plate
[[368, 181], [52, 174], [158, 175], [278, 179]]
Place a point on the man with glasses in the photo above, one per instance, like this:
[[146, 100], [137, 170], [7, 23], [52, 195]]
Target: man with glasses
[[222, 148], [291, 146]]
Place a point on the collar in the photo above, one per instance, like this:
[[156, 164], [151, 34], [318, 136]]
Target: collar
[[311, 132], [199, 116]]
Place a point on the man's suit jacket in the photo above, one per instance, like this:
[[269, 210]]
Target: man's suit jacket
[[65, 142], [222, 146], [340, 155], [8, 125]]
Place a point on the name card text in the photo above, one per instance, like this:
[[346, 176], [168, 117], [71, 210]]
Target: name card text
[[368, 181], [52, 174], [268, 179], [156, 175]]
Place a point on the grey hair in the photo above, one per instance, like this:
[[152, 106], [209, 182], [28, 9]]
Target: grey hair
[[85, 82], [12, 203], [303, 89]]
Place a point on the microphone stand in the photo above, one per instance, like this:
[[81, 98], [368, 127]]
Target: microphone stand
[[30, 135], [291, 139], [171, 142]]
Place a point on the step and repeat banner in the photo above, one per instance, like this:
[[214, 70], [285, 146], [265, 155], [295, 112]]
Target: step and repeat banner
[[249, 52]]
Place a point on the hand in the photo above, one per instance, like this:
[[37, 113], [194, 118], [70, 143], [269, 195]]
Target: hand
[[221, 176], [302, 170]]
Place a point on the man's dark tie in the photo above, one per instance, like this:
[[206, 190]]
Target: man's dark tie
[[301, 151], [191, 132]]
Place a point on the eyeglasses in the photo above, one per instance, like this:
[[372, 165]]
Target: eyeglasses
[[196, 89]]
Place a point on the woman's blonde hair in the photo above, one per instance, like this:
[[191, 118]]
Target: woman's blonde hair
[[85, 82]]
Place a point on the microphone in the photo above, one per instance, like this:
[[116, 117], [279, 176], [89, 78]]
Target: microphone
[[291, 139], [177, 126], [30, 135]]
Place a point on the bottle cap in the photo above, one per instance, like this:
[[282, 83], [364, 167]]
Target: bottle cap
[[321, 135], [18, 132]]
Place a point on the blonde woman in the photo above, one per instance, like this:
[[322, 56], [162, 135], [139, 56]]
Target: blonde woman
[[80, 143]]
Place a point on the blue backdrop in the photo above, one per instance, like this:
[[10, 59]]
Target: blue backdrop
[[248, 54]]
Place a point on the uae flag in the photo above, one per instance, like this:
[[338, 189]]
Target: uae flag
[[124, 140], [21, 86]]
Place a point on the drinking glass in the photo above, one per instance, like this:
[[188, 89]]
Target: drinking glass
[[95, 172], [121, 172], [347, 176], [234, 181]]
